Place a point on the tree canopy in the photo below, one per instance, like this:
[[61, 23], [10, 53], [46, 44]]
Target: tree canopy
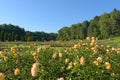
[[105, 26], [9, 32]]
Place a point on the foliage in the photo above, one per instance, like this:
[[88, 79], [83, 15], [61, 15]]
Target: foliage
[[101, 27], [15, 33], [88, 59]]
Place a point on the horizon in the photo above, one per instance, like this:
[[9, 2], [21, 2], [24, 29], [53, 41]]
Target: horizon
[[50, 16]]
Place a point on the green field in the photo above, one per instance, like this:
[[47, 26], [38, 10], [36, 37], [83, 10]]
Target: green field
[[61, 60]]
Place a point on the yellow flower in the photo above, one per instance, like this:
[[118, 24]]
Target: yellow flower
[[118, 51], [75, 46], [5, 59], [102, 46], [15, 55], [60, 55], [65, 51], [70, 65], [75, 63], [62, 67], [108, 65], [34, 54], [39, 49], [34, 69], [16, 62], [112, 74], [17, 71], [96, 62], [54, 55], [82, 60], [107, 50], [93, 38], [13, 50], [99, 59], [113, 49], [93, 42], [67, 60], [61, 78], [84, 44], [36, 59], [1, 52], [88, 38], [2, 76]]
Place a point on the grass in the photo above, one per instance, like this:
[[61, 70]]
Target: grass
[[114, 41]]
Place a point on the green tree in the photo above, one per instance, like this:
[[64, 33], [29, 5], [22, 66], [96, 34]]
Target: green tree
[[2, 36], [63, 34], [85, 25], [115, 22], [5, 36], [105, 26], [9, 37], [16, 37], [93, 29], [12, 37], [75, 31], [29, 38]]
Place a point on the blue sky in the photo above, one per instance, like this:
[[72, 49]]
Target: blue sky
[[51, 15]]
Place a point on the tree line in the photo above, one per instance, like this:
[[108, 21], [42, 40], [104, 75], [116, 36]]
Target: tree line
[[105, 26], [9, 32]]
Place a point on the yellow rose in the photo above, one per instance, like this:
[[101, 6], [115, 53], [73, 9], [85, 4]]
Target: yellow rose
[[17, 71]]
